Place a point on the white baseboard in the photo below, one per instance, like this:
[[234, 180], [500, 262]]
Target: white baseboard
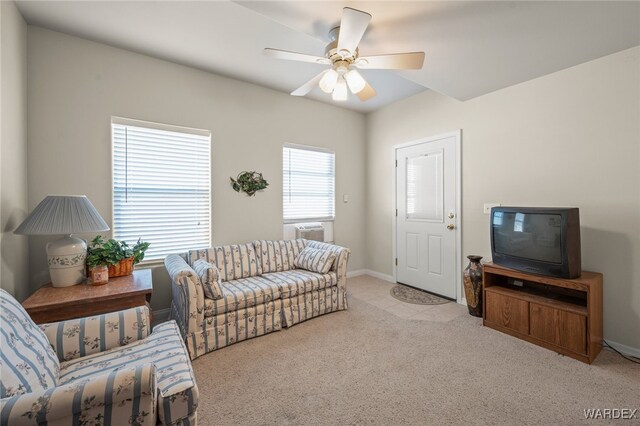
[[356, 273], [627, 350], [381, 276], [374, 274], [160, 316]]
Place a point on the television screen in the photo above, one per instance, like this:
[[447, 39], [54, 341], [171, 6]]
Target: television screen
[[534, 236]]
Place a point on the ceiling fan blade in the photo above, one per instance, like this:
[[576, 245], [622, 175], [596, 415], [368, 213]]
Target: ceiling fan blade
[[352, 27], [394, 61], [294, 56], [367, 93], [309, 85]]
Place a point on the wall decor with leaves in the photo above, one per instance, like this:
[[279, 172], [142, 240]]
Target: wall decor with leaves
[[249, 182]]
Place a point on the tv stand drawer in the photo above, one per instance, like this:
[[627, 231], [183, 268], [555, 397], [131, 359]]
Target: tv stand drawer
[[562, 328]]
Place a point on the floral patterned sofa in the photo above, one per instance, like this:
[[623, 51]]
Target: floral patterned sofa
[[262, 291], [101, 370]]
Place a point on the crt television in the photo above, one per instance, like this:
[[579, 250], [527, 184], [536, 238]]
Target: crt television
[[538, 240]]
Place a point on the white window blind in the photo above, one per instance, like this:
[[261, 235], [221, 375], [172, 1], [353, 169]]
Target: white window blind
[[161, 186], [308, 184]]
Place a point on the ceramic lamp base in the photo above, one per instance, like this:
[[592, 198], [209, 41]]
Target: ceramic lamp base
[[66, 258]]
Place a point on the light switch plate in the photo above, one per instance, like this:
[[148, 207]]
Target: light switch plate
[[345, 198], [487, 207]]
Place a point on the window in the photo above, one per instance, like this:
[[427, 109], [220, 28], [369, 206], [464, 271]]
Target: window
[[161, 186], [497, 218], [519, 222], [308, 184]]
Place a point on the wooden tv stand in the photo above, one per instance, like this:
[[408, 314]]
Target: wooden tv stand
[[559, 314]]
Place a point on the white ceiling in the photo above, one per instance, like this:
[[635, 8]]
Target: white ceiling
[[472, 48]]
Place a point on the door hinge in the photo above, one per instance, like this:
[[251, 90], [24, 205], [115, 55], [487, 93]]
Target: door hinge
[[396, 212], [396, 163], [396, 261]]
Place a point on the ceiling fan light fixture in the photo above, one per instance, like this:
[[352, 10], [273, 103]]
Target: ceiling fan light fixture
[[340, 91], [328, 81], [342, 54], [355, 81]]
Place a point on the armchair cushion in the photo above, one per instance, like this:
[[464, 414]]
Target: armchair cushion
[[27, 362], [118, 397], [315, 260], [209, 278], [85, 336]]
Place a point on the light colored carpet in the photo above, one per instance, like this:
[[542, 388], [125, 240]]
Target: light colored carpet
[[369, 366]]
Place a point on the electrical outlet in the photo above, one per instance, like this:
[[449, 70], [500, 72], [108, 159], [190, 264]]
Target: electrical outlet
[[518, 283], [487, 207]]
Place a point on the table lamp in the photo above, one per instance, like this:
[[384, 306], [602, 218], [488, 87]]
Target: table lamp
[[64, 215]]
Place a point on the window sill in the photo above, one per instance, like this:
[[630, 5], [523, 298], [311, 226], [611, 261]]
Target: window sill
[[293, 221]]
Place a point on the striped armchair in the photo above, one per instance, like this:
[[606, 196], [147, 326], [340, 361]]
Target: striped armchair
[[107, 369]]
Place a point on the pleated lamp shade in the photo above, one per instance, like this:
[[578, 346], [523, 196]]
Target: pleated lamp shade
[[63, 214]]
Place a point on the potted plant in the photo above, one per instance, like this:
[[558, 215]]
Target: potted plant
[[117, 255]]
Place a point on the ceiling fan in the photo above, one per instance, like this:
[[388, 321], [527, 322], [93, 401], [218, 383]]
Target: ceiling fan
[[344, 57]]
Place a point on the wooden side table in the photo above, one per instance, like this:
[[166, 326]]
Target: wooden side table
[[49, 304]]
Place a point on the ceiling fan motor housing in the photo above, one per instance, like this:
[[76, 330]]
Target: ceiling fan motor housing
[[335, 55]]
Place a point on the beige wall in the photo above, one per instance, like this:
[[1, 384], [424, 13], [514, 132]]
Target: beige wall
[[14, 270], [75, 86], [571, 138]]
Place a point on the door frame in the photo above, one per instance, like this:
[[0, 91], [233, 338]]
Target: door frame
[[457, 134]]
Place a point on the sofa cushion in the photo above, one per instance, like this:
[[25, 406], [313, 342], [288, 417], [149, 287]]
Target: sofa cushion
[[233, 261], [315, 260], [299, 281], [278, 255], [209, 278], [177, 390], [242, 293], [28, 362]]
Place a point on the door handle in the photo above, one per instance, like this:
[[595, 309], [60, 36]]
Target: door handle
[[451, 226]]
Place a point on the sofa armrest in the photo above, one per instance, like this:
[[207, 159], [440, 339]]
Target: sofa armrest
[[342, 257], [121, 397], [85, 336], [188, 295]]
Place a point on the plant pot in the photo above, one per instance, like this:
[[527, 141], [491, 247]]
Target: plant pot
[[122, 268], [472, 278]]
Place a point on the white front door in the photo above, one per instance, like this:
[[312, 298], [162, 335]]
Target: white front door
[[426, 215]]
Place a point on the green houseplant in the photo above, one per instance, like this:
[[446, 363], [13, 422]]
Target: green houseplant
[[119, 256]]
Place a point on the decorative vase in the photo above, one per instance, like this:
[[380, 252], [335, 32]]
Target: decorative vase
[[473, 285], [122, 268]]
